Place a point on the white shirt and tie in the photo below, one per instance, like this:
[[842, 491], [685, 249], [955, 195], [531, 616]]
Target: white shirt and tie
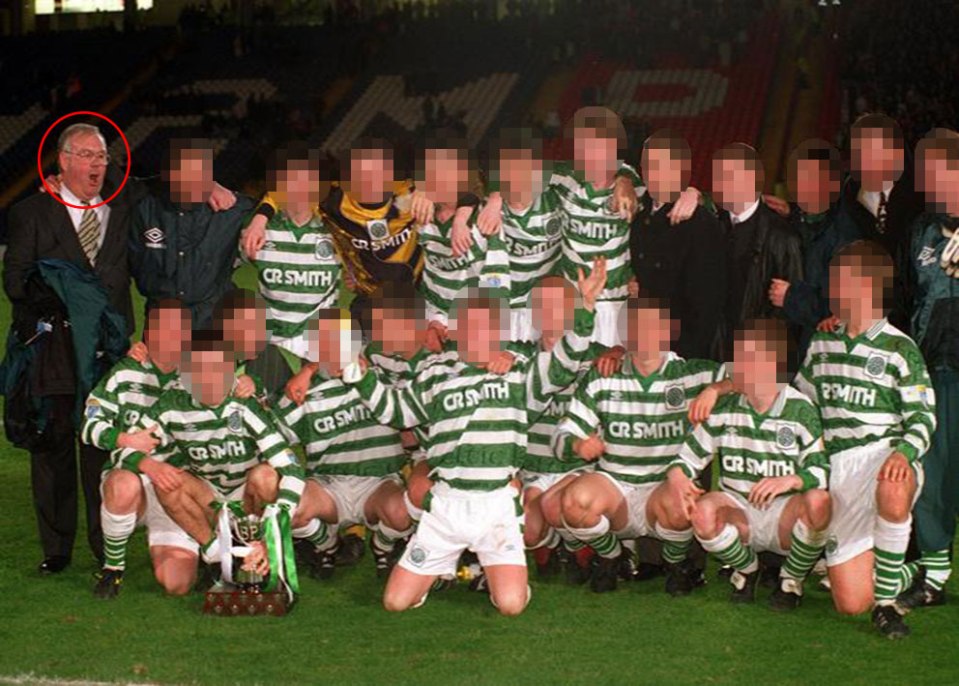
[[872, 199], [90, 224]]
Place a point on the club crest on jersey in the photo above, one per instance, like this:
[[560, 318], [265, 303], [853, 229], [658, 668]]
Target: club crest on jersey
[[927, 256], [875, 366], [131, 417], [554, 226], [378, 229], [417, 556], [235, 422], [323, 249], [154, 238], [785, 437], [675, 397]]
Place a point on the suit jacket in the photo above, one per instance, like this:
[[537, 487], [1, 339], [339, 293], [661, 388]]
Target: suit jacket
[[39, 227]]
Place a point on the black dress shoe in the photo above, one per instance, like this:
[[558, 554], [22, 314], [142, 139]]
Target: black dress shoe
[[54, 564]]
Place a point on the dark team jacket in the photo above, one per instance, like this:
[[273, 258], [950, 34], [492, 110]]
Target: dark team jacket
[[185, 252], [822, 235]]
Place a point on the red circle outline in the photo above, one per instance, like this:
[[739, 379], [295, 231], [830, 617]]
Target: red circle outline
[[43, 140]]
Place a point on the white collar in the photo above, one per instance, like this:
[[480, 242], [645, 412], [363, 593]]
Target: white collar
[[747, 213], [69, 196]]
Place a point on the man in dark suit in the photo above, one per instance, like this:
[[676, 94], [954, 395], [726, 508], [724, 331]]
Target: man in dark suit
[[880, 196], [94, 238]]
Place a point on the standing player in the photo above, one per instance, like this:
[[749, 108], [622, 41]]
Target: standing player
[[447, 273], [113, 411], [352, 461], [598, 196], [878, 411], [370, 219], [773, 471], [298, 266], [632, 423], [932, 298], [478, 427]]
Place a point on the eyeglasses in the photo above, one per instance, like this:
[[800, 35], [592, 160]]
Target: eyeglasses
[[88, 155]]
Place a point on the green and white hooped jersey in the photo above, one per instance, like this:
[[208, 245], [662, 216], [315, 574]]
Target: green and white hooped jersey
[[298, 274], [593, 229], [445, 276], [478, 421], [120, 399], [534, 242], [642, 420], [540, 458], [339, 434], [870, 389], [751, 446], [398, 372], [218, 444]]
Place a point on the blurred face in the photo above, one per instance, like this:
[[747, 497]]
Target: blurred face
[[593, 155], [553, 305], [478, 334], [664, 174], [851, 293], [734, 184], [446, 175], [816, 188], [335, 344], [650, 332], [298, 186], [166, 337], [245, 330], [208, 375], [939, 182], [876, 159], [83, 164], [371, 175], [755, 367], [395, 330], [521, 175], [191, 177]]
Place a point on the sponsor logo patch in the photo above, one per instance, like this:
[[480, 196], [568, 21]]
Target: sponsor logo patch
[[154, 238]]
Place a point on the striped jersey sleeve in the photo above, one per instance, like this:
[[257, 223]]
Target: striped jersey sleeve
[[339, 433], [917, 404], [550, 374], [274, 450]]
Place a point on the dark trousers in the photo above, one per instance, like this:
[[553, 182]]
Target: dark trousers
[[53, 475], [938, 504], [271, 367]]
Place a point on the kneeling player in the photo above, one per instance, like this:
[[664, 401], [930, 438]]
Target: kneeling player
[[773, 471], [352, 461], [878, 408], [114, 407], [215, 449], [633, 422], [478, 428], [545, 477]]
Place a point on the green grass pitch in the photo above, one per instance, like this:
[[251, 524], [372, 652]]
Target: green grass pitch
[[53, 628]]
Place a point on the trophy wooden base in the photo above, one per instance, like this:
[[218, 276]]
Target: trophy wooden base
[[231, 601]]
